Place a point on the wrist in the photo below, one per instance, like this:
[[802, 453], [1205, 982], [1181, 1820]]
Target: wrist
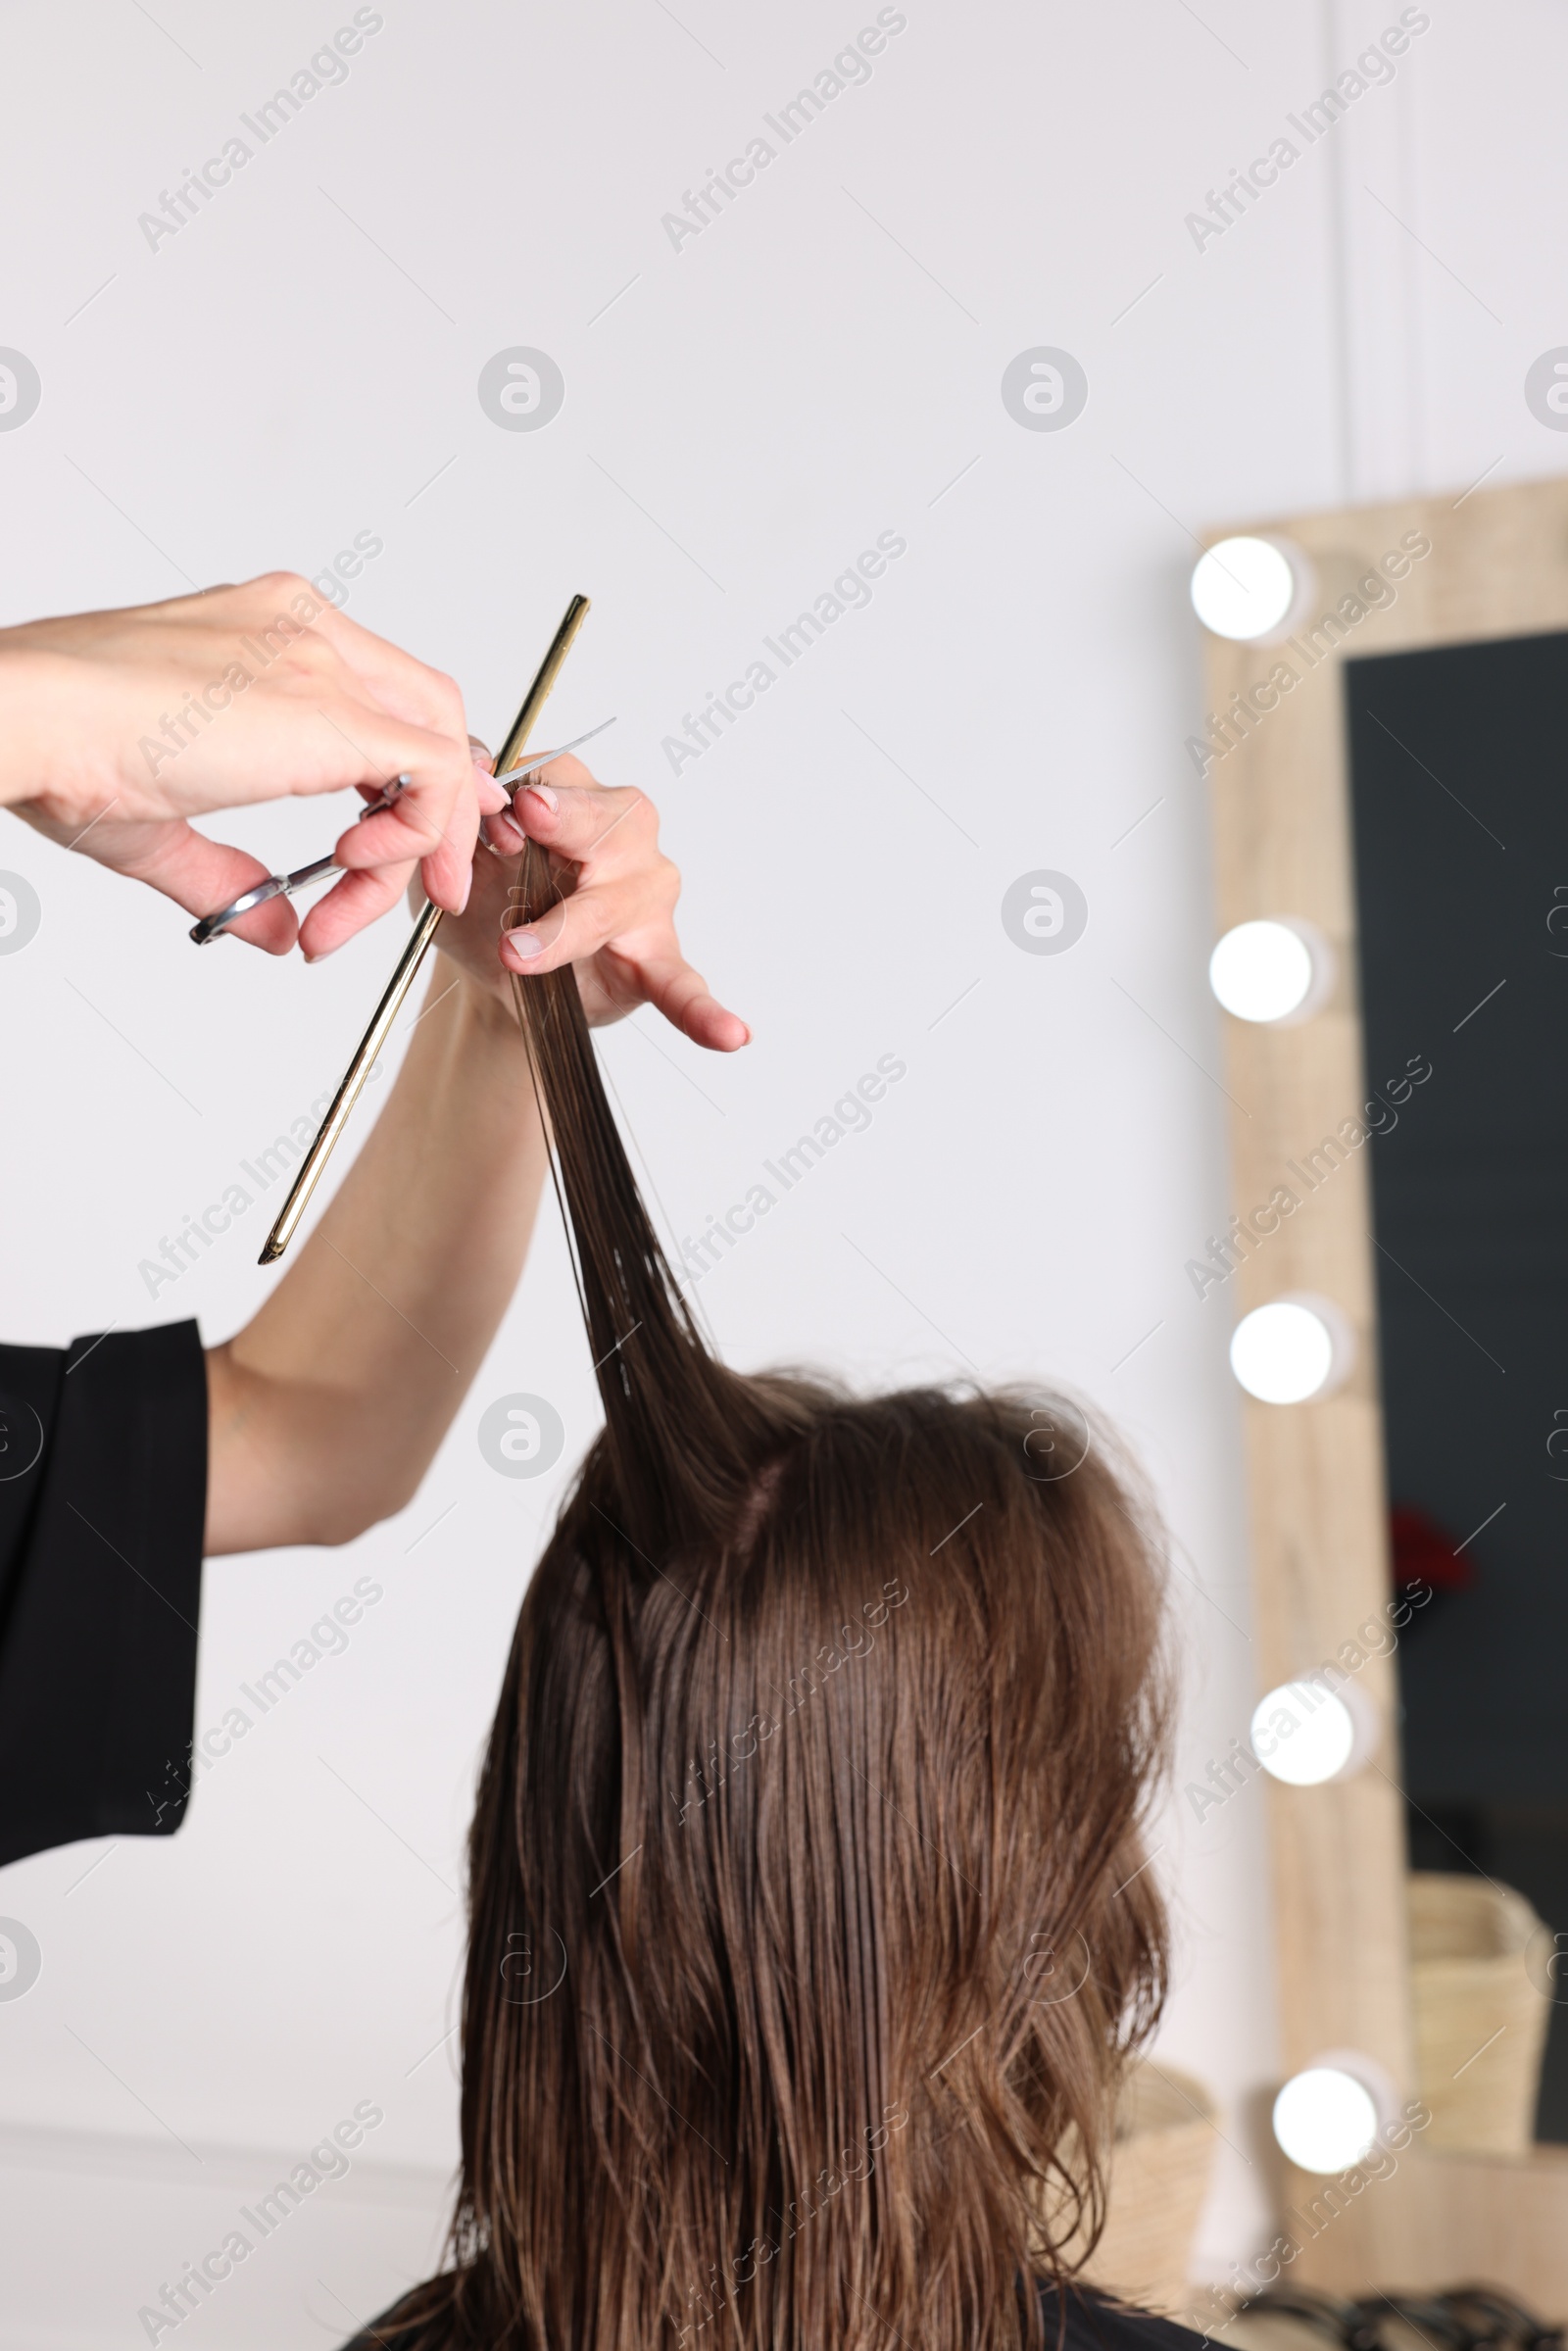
[[494, 1016], [24, 688], [476, 1009], [59, 762]]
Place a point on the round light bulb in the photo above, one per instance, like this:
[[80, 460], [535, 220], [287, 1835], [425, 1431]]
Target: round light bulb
[[1270, 971], [1309, 1732], [1325, 2119], [1247, 589], [1303, 1735], [1291, 1349]]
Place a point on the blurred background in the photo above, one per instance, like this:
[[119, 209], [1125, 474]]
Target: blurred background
[[458, 335]]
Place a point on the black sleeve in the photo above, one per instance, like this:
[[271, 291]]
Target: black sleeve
[[103, 1498]]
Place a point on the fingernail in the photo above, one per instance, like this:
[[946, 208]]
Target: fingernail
[[544, 793], [467, 884], [502, 834], [526, 946]]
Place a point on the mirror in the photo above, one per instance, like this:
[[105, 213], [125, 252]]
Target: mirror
[[1383, 788], [1460, 843]]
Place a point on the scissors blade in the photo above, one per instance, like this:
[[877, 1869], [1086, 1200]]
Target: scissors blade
[[515, 775]]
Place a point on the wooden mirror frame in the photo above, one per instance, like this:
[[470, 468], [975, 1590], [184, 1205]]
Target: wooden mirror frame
[[1276, 765]]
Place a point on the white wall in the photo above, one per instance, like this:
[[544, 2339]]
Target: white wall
[[820, 364]]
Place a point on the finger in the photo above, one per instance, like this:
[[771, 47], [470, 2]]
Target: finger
[[564, 934], [502, 834], [411, 833], [436, 818], [203, 876], [273, 927], [500, 831], [684, 998], [567, 769], [579, 823], [494, 800], [492, 796], [583, 925], [349, 905], [448, 874]]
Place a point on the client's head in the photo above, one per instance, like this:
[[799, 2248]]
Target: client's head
[[809, 1933]]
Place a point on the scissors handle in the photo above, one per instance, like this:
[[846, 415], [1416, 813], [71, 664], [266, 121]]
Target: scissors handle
[[284, 885]]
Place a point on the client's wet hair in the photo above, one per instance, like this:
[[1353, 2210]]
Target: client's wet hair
[[810, 1933]]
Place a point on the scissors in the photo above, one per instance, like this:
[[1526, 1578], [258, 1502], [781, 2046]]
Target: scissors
[[284, 885]]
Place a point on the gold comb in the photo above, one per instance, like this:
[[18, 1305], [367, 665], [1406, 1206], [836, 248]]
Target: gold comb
[[412, 956]]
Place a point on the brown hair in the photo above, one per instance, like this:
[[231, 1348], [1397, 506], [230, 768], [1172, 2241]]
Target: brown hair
[[809, 1933]]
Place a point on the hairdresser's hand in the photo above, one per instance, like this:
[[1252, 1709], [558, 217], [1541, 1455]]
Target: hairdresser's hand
[[115, 728], [618, 927]]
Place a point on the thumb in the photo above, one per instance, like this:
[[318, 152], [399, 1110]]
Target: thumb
[[198, 874]]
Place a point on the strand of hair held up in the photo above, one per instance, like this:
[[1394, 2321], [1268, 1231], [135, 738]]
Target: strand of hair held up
[[677, 1420]]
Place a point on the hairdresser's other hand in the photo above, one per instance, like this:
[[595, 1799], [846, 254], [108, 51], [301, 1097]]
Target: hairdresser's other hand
[[618, 927], [117, 728]]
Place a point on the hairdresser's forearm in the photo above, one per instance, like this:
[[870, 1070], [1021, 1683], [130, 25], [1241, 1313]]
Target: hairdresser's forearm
[[28, 760], [327, 1408]]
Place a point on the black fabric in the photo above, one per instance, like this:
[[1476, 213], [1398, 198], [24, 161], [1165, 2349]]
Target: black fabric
[[103, 1498], [1093, 2323], [1096, 2325]]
